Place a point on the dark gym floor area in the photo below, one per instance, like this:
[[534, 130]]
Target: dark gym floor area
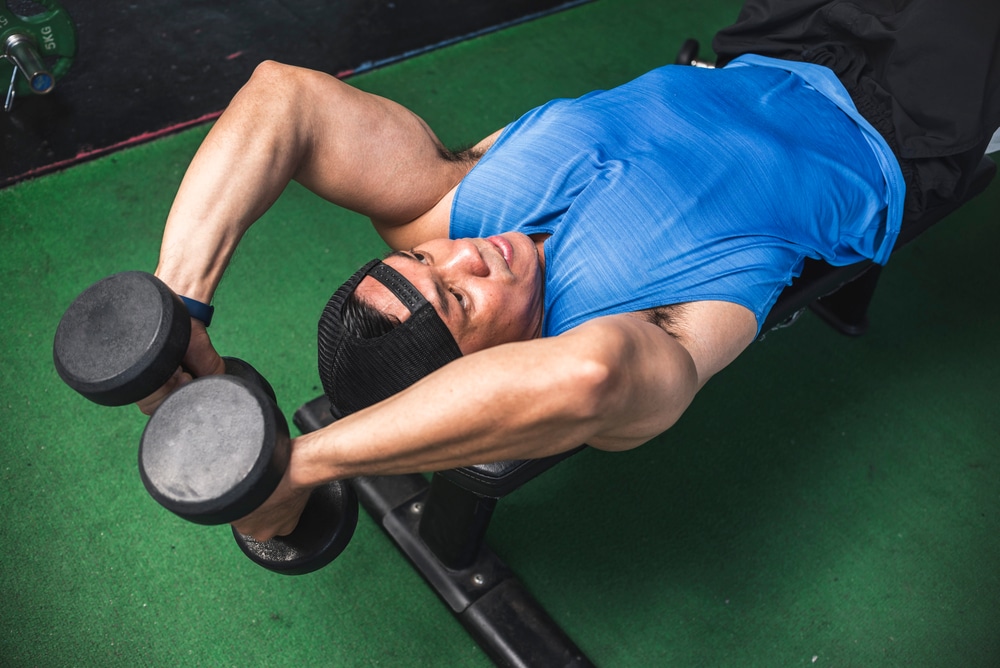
[[146, 69]]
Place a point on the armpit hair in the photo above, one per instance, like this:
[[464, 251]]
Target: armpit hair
[[464, 154], [666, 318]]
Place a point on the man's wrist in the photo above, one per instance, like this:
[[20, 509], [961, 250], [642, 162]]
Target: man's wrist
[[310, 464], [199, 310]]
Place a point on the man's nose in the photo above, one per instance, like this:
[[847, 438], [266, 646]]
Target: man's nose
[[465, 257]]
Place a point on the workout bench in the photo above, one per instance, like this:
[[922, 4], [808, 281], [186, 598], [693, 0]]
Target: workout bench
[[441, 524]]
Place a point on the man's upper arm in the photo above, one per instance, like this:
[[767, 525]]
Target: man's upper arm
[[435, 222], [367, 153], [658, 373], [652, 380]]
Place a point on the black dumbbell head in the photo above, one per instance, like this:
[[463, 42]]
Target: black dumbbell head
[[324, 530], [121, 339], [241, 369], [214, 450]]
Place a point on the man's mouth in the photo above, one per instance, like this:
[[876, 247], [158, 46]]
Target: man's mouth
[[502, 245]]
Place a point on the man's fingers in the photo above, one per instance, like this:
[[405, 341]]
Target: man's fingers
[[266, 533], [278, 516], [201, 358], [260, 536], [150, 403]]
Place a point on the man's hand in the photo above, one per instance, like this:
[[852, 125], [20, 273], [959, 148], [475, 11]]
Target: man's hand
[[201, 359], [279, 515]]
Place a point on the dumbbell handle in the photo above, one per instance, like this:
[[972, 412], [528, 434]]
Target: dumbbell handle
[[20, 49]]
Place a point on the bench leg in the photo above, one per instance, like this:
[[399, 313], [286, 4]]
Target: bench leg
[[505, 620], [846, 310]]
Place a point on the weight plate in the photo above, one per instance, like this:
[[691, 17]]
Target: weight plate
[[324, 530], [54, 37], [121, 339], [214, 450]]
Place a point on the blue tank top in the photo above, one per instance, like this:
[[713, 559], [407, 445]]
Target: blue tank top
[[688, 184]]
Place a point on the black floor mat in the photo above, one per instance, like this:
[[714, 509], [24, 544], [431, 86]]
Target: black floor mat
[[146, 68]]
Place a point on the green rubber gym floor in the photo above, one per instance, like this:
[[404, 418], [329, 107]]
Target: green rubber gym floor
[[825, 502]]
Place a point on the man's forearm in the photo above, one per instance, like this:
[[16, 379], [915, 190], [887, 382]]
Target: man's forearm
[[245, 162], [522, 400], [452, 418]]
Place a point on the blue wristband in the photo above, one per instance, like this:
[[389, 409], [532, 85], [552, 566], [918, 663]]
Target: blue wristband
[[198, 310]]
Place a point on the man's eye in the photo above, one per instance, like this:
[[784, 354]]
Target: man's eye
[[418, 256], [459, 298]]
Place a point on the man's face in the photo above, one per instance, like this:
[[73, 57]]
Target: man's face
[[488, 291]]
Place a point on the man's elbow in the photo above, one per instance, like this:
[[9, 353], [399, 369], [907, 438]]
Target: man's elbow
[[593, 387], [628, 402]]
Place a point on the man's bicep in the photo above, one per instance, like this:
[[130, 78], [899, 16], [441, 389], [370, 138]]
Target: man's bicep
[[652, 380], [370, 154], [434, 223]]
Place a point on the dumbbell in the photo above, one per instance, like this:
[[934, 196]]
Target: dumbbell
[[688, 55], [122, 339], [216, 449]]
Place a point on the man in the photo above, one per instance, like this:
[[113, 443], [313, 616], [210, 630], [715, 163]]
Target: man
[[579, 275]]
